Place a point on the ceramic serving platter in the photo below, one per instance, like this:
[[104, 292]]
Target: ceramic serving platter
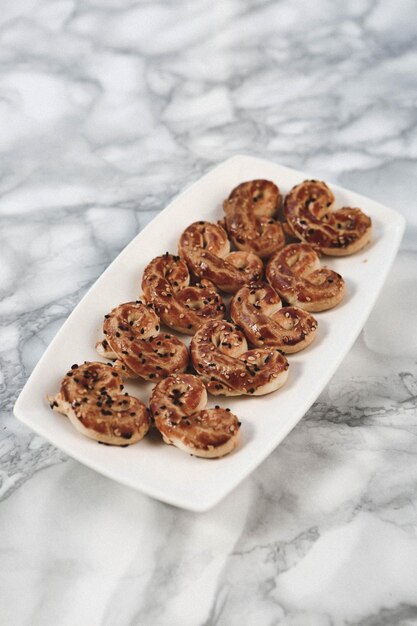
[[162, 471]]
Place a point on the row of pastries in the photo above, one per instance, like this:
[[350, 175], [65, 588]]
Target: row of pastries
[[276, 282]]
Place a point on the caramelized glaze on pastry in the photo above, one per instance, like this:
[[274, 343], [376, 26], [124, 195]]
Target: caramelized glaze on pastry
[[249, 210], [308, 210], [206, 249], [258, 310], [295, 273], [178, 406], [220, 355], [91, 397], [181, 306], [133, 339]]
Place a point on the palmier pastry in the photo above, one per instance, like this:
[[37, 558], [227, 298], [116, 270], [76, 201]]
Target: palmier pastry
[[178, 407], [257, 309], [249, 211], [220, 355], [132, 337], [206, 249], [295, 273], [308, 210], [91, 397], [166, 284]]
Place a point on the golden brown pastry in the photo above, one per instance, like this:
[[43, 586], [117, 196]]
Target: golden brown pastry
[[91, 397], [220, 354], [249, 217], [133, 338], [308, 210], [166, 284], [295, 273], [178, 408], [206, 249], [257, 309]]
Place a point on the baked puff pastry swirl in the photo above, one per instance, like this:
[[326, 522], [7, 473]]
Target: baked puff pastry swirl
[[249, 211], [206, 249], [133, 339], [178, 406], [220, 355], [309, 214], [258, 310], [92, 399], [296, 274], [181, 306]]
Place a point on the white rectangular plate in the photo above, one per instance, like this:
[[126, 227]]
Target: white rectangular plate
[[165, 472]]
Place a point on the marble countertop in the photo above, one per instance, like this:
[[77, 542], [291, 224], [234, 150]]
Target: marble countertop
[[108, 109]]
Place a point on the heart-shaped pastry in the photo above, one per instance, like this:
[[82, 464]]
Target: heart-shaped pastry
[[249, 210], [296, 274], [206, 249], [181, 306], [220, 355], [178, 406], [91, 397], [309, 214], [133, 339], [258, 310]]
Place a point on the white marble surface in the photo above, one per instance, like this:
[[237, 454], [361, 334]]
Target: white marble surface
[[108, 108]]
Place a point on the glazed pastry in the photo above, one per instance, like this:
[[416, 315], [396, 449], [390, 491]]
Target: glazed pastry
[[133, 339], [92, 399], [220, 355], [309, 214], [295, 273], [206, 249], [249, 217], [166, 284], [178, 406], [258, 310]]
